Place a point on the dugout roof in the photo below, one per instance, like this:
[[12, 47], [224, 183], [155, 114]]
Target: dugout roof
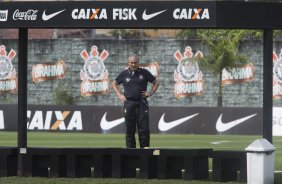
[[142, 14]]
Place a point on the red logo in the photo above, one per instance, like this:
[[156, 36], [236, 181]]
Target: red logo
[[188, 77], [8, 79], [93, 73], [277, 75]]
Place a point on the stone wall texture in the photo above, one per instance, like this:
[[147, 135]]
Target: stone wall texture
[[248, 94]]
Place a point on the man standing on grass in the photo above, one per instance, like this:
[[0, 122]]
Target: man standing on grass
[[136, 108]]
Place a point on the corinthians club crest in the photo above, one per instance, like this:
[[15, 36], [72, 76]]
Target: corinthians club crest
[[277, 75], [94, 74], [188, 77], [8, 79]]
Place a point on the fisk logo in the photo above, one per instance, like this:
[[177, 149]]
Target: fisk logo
[[191, 13], [2, 120], [101, 13], [124, 14], [54, 120], [89, 14]]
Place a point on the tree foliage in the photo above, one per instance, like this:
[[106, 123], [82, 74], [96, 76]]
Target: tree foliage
[[128, 34], [223, 48], [61, 96]]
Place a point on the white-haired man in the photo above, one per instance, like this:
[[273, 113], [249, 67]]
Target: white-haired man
[[136, 108]]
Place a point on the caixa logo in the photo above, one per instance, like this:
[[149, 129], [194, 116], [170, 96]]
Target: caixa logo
[[54, 120], [2, 120], [25, 15], [191, 13]]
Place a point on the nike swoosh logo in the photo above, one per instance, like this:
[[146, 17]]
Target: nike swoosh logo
[[146, 16], [48, 17], [222, 127], [164, 126], [107, 125]]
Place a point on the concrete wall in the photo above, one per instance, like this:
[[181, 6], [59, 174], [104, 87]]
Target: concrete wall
[[247, 94]]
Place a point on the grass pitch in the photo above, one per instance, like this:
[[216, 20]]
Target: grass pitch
[[44, 139], [89, 140]]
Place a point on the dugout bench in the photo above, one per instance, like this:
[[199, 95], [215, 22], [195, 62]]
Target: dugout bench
[[229, 165], [8, 161], [67, 162], [190, 164], [126, 161]]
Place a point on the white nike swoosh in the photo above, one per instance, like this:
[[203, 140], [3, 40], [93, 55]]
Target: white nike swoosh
[[147, 17], [164, 126], [107, 125], [222, 127], [47, 17]]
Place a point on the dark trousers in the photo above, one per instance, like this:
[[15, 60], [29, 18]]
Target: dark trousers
[[137, 113]]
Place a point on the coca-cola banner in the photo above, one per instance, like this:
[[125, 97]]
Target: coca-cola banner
[[104, 14], [109, 119], [150, 14]]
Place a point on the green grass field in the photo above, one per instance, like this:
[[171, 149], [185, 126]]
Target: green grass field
[[43, 139], [87, 140]]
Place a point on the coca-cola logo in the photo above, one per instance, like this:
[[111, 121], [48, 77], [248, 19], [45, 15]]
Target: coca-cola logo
[[28, 15]]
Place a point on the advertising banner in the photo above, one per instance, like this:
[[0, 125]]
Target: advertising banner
[[277, 75], [105, 14], [187, 76], [8, 75], [277, 121], [238, 75], [163, 120], [48, 71], [94, 74]]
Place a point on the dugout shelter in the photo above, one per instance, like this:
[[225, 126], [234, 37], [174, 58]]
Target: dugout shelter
[[142, 14]]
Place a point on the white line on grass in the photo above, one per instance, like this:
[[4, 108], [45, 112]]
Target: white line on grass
[[219, 142]]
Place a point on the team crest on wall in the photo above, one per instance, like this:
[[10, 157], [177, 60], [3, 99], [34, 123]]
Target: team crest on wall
[[93, 73], [187, 75], [152, 67], [8, 75], [277, 75]]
